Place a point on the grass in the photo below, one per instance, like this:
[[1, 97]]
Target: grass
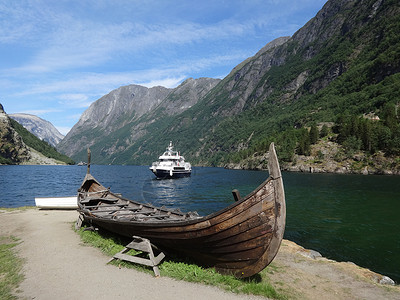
[[183, 270], [10, 268]]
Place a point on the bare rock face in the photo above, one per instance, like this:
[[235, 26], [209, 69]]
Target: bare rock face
[[43, 129], [126, 105], [110, 113]]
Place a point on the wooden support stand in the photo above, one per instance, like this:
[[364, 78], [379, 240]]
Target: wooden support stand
[[144, 245], [78, 223]]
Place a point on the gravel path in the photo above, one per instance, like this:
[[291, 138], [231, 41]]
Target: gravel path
[[58, 266]]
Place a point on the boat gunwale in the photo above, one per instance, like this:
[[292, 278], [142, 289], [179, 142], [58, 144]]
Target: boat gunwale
[[170, 223]]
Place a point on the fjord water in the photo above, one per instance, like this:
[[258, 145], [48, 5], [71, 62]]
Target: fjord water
[[344, 217]]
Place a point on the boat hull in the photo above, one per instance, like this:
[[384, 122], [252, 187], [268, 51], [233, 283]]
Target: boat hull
[[233, 241], [165, 174], [70, 202], [241, 239]]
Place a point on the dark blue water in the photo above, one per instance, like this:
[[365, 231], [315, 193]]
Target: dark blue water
[[344, 217]]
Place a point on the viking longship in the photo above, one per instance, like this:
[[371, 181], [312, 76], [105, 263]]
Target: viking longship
[[241, 239]]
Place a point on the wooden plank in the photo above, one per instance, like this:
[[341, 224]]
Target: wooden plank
[[159, 258], [134, 259], [79, 221], [143, 245], [140, 246]]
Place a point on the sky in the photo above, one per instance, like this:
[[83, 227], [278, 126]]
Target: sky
[[58, 57]]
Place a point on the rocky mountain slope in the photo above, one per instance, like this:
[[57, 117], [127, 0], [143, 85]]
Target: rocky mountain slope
[[19, 146], [327, 156], [344, 61], [43, 129], [12, 147], [113, 119]]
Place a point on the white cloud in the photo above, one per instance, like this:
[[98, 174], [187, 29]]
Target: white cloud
[[39, 112], [63, 42], [165, 82], [74, 100]]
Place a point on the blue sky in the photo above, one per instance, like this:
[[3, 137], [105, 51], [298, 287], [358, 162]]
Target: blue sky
[[57, 57]]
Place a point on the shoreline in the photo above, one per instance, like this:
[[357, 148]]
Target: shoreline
[[57, 263], [300, 168], [317, 169]]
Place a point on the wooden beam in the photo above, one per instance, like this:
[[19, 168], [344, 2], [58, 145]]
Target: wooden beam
[[236, 194]]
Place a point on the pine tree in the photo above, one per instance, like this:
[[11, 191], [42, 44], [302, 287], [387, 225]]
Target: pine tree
[[314, 133], [324, 131], [389, 116], [366, 135], [304, 146]]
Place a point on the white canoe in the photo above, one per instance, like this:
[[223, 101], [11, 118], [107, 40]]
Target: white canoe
[[57, 202]]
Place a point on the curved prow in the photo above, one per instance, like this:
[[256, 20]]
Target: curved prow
[[88, 160], [273, 164], [273, 195], [280, 204]]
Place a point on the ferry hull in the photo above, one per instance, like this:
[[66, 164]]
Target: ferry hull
[[171, 174]]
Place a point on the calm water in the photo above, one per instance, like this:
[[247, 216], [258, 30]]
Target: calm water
[[344, 217]]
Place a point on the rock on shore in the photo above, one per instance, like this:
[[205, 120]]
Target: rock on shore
[[327, 157]]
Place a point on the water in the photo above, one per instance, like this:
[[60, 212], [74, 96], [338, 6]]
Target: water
[[344, 217]]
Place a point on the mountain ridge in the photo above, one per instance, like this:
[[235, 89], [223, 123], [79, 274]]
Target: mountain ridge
[[125, 106], [345, 60], [19, 146], [43, 129]]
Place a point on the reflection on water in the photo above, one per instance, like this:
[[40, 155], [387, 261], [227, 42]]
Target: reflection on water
[[345, 217], [206, 191], [167, 192]]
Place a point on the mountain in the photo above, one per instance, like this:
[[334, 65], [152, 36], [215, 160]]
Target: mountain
[[343, 64], [12, 148], [19, 146], [114, 118], [43, 129]]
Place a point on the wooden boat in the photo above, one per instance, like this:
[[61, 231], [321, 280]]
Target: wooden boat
[[69, 202], [241, 239]]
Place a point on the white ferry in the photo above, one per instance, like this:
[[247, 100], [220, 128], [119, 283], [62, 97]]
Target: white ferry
[[171, 165]]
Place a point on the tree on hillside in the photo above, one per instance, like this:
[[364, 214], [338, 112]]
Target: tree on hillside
[[324, 131], [304, 145], [389, 116], [286, 143], [314, 134]]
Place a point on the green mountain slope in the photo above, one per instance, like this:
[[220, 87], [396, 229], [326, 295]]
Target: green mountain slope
[[19, 146], [41, 146], [343, 62]]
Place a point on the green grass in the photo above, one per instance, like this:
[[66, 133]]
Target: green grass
[[10, 268], [183, 270]]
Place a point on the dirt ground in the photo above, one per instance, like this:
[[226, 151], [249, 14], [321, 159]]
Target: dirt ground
[[58, 266]]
